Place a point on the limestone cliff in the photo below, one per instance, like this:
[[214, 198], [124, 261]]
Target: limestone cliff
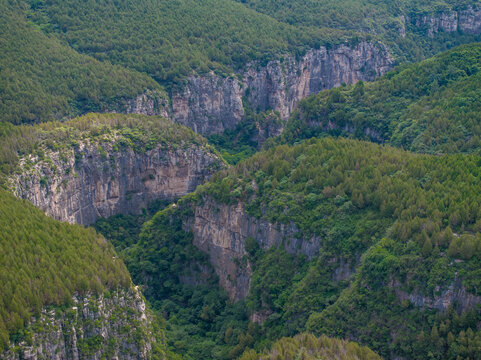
[[221, 231], [453, 294], [466, 20], [91, 181], [211, 104], [112, 326]]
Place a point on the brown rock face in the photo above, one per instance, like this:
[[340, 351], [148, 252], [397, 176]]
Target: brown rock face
[[221, 231], [92, 183], [466, 20], [212, 104]]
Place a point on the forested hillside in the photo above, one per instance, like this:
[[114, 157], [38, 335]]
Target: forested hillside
[[347, 225], [42, 78], [406, 225], [395, 22], [430, 107], [170, 39], [45, 262]]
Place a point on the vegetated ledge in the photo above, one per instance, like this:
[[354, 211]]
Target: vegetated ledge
[[100, 165]]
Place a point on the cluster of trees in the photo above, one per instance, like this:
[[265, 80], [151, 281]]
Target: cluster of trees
[[43, 79], [307, 347], [57, 56], [432, 107], [45, 262]]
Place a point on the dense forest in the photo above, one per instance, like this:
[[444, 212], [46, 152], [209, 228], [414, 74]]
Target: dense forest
[[44, 262], [43, 79], [56, 56], [429, 107], [224, 35], [409, 222], [373, 187]]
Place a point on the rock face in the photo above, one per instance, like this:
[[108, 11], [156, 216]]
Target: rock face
[[149, 103], [453, 295], [467, 20], [221, 231], [93, 181], [211, 104], [114, 327]]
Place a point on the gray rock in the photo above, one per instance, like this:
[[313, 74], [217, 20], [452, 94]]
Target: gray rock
[[93, 183], [95, 327], [211, 104]]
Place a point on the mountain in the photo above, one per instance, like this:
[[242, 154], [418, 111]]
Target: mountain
[[279, 179], [340, 237], [429, 107], [65, 293], [215, 68]]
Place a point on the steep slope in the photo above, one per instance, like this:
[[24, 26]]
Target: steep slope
[[306, 346], [42, 78], [430, 107], [64, 294], [412, 29], [102, 165], [289, 228]]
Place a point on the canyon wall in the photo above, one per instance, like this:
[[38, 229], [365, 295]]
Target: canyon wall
[[221, 231], [467, 20], [82, 184], [116, 326], [211, 104]]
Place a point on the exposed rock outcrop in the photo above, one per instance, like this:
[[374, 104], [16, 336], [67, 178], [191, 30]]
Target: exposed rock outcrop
[[467, 20], [454, 295], [106, 327], [149, 103], [221, 231], [211, 104], [81, 184]]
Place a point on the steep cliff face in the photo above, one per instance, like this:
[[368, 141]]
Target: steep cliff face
[[116, 326], [467, 20], [211, 104], [89, 181], [221, 231], [454, 294]]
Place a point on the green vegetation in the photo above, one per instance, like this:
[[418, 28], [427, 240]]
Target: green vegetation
[[139, 132], [383, 18], [248, 136], [308, 347], [179, 282], [169, 39], [350, 195], [44, 262], [431, 107], [43, 79]]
